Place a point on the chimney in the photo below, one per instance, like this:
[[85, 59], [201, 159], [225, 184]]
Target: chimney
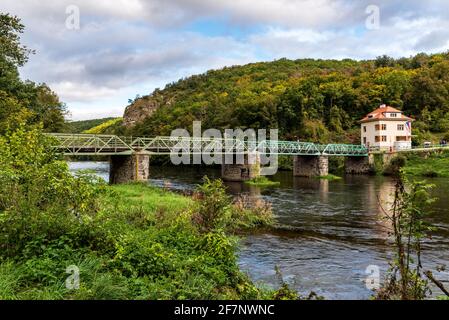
[[383, 106]]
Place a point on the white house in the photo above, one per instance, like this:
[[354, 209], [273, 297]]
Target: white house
[[386, 128]]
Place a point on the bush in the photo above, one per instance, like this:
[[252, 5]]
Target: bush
[[214, 205], [39, 197], [140, 254], [249, 213]]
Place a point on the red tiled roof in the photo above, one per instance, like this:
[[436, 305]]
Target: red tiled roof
[[379, 114]]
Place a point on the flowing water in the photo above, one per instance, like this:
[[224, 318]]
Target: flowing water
[[334, 229]]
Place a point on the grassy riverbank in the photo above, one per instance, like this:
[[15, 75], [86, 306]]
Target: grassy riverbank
[[144, 243], [432, 164]]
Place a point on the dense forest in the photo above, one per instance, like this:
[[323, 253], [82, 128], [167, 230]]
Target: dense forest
[[318, 100]]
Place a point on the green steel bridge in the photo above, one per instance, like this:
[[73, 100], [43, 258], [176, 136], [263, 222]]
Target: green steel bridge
[[90, 144]]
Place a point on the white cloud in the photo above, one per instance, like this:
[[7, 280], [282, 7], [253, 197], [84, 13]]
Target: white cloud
[[129, 47]]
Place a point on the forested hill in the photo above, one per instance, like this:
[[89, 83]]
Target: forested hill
[[317, 100]]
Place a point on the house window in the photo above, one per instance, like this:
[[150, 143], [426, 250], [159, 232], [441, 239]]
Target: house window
[[364, 128], [401, 138], [393, 115], [400, 127], [377, 139], [377, 127], [364, 140], [384, 138], [384, 127]]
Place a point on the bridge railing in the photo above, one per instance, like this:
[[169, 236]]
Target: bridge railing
[[411, 149], [92, 144], [111, 144], [345, 150]]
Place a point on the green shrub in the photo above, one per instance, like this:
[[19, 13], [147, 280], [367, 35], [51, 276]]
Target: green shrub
[[250, 213], [39, 197], [140, 255], [214, 205]]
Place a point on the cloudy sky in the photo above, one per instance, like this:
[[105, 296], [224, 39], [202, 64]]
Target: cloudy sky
[[127, 47]]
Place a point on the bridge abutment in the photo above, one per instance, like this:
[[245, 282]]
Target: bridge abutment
[[247, 170], [359, 165], [310, 166], [129, 168]]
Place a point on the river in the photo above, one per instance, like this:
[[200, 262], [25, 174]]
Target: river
[[337, 230]]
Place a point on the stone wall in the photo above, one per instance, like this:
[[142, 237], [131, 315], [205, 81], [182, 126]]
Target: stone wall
[[310, 166], [359, 165], [135, 167], [241, 172]]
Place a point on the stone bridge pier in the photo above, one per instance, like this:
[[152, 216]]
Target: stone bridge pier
[[243, 171], [310, 166], [359, 165], [129, 168]]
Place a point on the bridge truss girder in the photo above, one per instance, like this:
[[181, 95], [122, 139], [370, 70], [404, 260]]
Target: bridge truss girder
[[88, 144]]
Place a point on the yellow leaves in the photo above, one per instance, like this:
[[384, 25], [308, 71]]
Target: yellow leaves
[[104, 126]]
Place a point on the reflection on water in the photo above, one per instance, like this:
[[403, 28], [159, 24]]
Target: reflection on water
[[100, 168], [335, 229]]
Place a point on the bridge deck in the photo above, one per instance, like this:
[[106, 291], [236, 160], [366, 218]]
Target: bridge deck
[[88, 144]]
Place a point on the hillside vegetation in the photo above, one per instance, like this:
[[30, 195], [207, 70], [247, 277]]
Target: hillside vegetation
[[431, 164], [317, 100], [83, 125], [107, 127]]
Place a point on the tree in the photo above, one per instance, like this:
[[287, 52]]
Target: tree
[[12, 113], [290, 112], [11, 51], [384, 61], [23, 101]]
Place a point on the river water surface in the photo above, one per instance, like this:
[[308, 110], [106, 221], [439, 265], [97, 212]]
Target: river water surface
[[337, 229]]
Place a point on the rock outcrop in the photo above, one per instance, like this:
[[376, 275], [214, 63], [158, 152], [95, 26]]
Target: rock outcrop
[[140, 109]]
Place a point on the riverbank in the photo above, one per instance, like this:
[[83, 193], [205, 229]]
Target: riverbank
[[144, 243], [432, 164]]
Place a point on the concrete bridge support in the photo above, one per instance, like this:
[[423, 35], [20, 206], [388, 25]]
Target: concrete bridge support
[[310, 166], [359, 165], [128, 168], [248, 170]]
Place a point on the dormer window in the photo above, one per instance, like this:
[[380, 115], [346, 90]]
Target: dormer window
[[393, 115]]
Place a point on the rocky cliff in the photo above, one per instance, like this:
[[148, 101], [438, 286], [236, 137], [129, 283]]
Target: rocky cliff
[[140, 109]]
